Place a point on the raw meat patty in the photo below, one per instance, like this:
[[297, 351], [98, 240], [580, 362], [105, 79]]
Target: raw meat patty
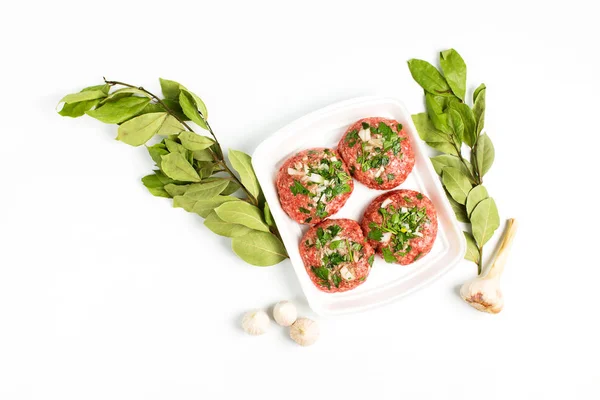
[[313, 184], [401, 225], [377, 152], [336, 255]]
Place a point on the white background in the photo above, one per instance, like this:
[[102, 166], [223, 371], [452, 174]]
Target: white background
[[108, 293]]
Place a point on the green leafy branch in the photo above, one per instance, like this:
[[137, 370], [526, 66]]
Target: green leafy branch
[[191, 168], [448, 124]]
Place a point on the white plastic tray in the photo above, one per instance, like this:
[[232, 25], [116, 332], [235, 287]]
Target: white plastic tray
[[386, 282]]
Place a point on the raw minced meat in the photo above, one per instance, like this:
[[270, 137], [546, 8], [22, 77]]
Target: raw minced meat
[[336, 255], [401, 225], [378, 152], [313, 184]]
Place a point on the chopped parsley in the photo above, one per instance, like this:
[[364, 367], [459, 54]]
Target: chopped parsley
[[371, 260], [391, 177], [298, 188], [335, 255], [324, 180], [404, 224], [307, 220], [379, 180], [388, 256], [377, 157], [352, 138], [419, 196], [365, 125]]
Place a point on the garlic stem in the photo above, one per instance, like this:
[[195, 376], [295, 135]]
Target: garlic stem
[[500, 260]]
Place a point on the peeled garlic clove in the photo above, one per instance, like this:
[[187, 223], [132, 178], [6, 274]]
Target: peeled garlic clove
[[255, 322], [304, 331], [285, 313]]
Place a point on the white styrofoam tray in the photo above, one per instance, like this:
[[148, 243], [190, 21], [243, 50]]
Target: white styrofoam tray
[[386, 282]]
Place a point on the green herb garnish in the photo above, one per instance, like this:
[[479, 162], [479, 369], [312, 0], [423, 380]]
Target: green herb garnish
[[298, 188], [377, 157]]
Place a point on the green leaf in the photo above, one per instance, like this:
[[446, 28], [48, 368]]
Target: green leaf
[[176, 190], [456, 124], [476, 195], [177, 167], [459, 209], [139, 130], [477, 92], [203, 155], [268, 216], [468, 119], [455, 72], [242, 213], [433, 137], [202, 207], [156, 152], [472, 252], [84, 95], [120, 110], [484, 154], [152, 181], [446, 160], [242, 163], [158, 192], [220, 227], [436, 107], [194, 142], [259, 248], [171, 126], [485, 220], [205, 190], [231, 188], [456, 183], [427, 76], [154, 186], [175, 147], [170, 89], [479, 107], [205, 169], [117, 94], [190, 108], [75, 110]]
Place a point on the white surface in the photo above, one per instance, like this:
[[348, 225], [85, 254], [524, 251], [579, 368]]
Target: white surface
[[108, 293], [386, 282]]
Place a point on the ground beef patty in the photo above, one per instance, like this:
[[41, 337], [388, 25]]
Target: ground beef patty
[[401, 225], [378, 152], [336, 255], [313, 184]]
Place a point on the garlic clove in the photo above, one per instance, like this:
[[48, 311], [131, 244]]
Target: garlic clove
[[255, 322], [346, 273], [386, 203], [364, 135], [305, 331], [484, 294], [285, 313]]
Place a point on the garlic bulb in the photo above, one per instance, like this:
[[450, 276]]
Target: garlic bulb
[[285, 313], [304, 331], [255, 322], [484, 292]]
